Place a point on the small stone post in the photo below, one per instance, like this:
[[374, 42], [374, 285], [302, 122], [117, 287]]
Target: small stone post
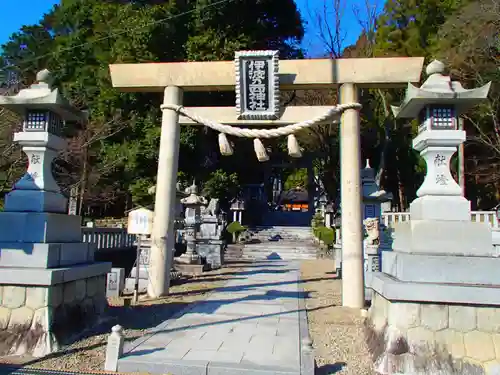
[[114, 348]]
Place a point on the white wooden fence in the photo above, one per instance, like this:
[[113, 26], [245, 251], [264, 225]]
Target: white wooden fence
[[108, 238], [114, 238], [392, 218]]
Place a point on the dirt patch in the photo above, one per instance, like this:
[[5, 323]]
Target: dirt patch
[[337, 332], [88, 354]]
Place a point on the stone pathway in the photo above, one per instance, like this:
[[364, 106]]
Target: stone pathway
[[255, 324]]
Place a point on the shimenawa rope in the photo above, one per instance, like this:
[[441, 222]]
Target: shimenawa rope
[[262, 133]]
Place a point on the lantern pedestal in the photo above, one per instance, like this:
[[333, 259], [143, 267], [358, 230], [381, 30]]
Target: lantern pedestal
[[437, 147], [51, 287], [37, 191]]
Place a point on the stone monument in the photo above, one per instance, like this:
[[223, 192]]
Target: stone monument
[[190, 261], [50, 285], [210, 244], [435, 307]]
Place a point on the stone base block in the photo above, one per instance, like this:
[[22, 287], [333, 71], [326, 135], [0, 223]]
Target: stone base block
[[426, 338], [443, 237], [449, 208], [35, 320], [192, 269], [45, 255], [35, 201], [39, 227], [426, 292], [185, 258], [52, 276], [212, 251], [448, 269]]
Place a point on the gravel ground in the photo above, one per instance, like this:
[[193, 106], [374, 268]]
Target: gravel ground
[[88, 354], [336, 331]]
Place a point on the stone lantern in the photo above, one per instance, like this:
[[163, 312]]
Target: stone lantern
[[193, 203], [47, 274], [373, 196], [237, 207], [46, 115], [437, 104], [441, 278]]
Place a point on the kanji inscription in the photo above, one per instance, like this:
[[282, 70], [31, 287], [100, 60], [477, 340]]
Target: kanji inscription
[[439, 160], [257, 91], [257, 85]]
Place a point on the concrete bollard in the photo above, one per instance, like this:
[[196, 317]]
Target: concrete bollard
[[114, 349]]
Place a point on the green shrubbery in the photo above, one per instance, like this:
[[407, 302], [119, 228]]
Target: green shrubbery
[[318, 221], [324, 234], [235, 227]]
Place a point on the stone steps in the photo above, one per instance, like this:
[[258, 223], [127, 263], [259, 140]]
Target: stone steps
[[277, 255], [282, 245], [286, 233], [280, 250]]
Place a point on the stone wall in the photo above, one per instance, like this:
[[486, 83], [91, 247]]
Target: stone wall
[[36, 319], [420, 338]]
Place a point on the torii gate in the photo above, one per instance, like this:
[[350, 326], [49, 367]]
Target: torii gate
[[346, 74]]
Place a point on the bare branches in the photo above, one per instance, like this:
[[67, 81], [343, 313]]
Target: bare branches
[[11, 158], [469, 43], [328, 20]]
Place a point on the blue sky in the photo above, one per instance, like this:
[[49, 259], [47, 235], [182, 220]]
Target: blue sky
[[16, 13]]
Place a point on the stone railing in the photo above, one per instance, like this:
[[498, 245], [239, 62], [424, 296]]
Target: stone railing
[[108, 238], [389, 219]]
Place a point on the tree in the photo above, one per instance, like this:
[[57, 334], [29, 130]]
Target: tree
[[81, 38], [221, 185], [468, 42]]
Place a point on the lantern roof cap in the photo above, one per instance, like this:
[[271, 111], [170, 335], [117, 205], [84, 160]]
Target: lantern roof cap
[[439, 89], [193, 199], [42, 96]]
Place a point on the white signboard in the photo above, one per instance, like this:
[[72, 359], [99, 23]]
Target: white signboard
[[140, 221]]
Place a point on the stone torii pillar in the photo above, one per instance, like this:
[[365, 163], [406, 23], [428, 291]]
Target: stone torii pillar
[[163, 244], [350, 192]]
